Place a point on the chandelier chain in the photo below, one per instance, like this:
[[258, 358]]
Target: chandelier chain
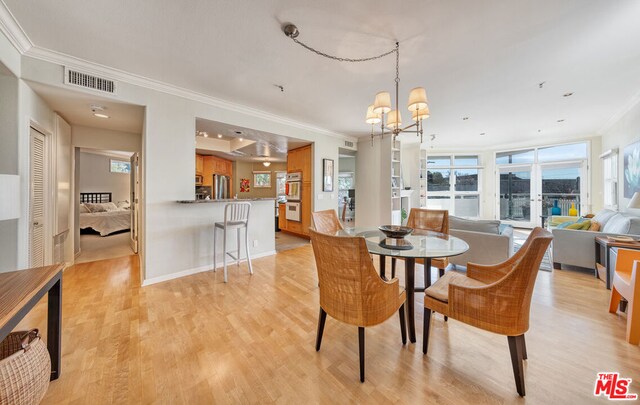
[[397, 50], [346, 59]]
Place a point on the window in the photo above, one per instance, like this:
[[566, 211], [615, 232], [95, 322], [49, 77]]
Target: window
[[120, 166], [574, 151], [453, 184], [519, 156], [262, 179], [610, 177], [281, 182], [438, 180]]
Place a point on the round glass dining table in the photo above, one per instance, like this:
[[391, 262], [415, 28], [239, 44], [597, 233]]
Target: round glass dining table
[[420, 244]]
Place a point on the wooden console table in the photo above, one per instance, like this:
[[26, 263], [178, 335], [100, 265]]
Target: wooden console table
[[603, 255], [20, 291]]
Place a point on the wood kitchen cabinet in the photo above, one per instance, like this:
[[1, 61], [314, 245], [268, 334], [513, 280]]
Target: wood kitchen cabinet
[[282, 216], [214, 165], [199, 164], [301, 160]]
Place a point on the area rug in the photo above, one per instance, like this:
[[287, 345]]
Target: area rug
[[519, 237]]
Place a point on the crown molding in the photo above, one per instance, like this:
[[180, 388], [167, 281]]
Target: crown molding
[[12, 30], [618, 115], [65, 60]]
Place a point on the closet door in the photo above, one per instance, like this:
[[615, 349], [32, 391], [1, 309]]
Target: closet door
[[37, 200]]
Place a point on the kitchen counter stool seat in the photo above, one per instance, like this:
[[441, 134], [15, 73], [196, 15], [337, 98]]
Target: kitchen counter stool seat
[[236, 217]]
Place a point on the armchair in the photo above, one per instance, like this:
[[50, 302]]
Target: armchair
[[626, 284], [326, 221], [495, 298], [351, 290]]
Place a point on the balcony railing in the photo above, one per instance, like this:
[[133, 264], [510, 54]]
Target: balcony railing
[[517, 206]]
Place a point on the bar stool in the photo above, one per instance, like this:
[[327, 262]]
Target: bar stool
[[236, 216]]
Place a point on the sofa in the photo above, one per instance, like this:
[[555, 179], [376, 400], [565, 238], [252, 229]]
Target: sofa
[[577, 247], [489, 241]]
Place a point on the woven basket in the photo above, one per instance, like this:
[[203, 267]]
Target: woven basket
[[25, 368]]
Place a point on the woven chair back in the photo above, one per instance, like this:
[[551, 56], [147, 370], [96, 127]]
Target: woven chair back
[[326, 222], [503, 307], [350, 289], [431, 220]]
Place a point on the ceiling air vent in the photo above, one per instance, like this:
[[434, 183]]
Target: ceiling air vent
[[348, 144], [87, 81]]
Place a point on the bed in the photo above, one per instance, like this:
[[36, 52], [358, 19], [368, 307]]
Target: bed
[[99, 213]]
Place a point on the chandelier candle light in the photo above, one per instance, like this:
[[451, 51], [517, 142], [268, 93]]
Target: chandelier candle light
[[381, 107]]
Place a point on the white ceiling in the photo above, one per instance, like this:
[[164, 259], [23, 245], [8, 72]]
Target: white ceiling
[[257, 146], [480, 59], [75, 108]]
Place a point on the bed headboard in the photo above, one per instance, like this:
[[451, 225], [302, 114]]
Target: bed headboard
[[95, 197]]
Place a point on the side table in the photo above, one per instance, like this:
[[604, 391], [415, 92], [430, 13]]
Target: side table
[[603, 255]]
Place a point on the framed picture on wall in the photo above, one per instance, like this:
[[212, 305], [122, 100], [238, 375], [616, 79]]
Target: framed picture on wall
[[631, 169], [327, 174]]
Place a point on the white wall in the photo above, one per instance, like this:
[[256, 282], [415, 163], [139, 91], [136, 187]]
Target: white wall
[[33, 110], [624, 132], [9, 147], [347, 164], [169, 159], [104, 139], [95, 176]]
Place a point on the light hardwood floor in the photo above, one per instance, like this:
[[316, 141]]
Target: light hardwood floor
[[197, 340]]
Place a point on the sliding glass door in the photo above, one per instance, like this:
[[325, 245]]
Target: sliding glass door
[[516, 205], [561, 188]]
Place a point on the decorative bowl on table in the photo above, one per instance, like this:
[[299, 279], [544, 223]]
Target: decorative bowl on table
[[395, 231]]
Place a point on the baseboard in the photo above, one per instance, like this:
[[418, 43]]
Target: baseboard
[[195, 270]]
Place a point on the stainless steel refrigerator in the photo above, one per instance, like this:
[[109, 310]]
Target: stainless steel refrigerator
[[221, 187]]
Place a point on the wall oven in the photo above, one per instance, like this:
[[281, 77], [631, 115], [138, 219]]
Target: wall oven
[[294, 186], [293, 211]]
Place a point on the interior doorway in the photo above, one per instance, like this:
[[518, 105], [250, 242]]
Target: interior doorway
[[106, 182], [347, 187]]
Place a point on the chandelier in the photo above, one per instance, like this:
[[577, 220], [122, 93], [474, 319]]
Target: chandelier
[[380, 111]]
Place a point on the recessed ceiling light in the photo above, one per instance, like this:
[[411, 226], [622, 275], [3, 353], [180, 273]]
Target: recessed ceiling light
[[238, 132], [567, 94], [483, 133], [100, 115], [560, 121], [465, 118], [219, 136], [539, 130]]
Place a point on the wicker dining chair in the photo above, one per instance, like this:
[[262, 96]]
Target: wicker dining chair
[[495, 298], [430, 220], [326, 222], [351, 290]]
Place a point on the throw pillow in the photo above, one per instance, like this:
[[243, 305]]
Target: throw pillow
[[586, 225], [567, 224], [84, 209], [95, 207], [595, 226], [123, 204], [580, 225]]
